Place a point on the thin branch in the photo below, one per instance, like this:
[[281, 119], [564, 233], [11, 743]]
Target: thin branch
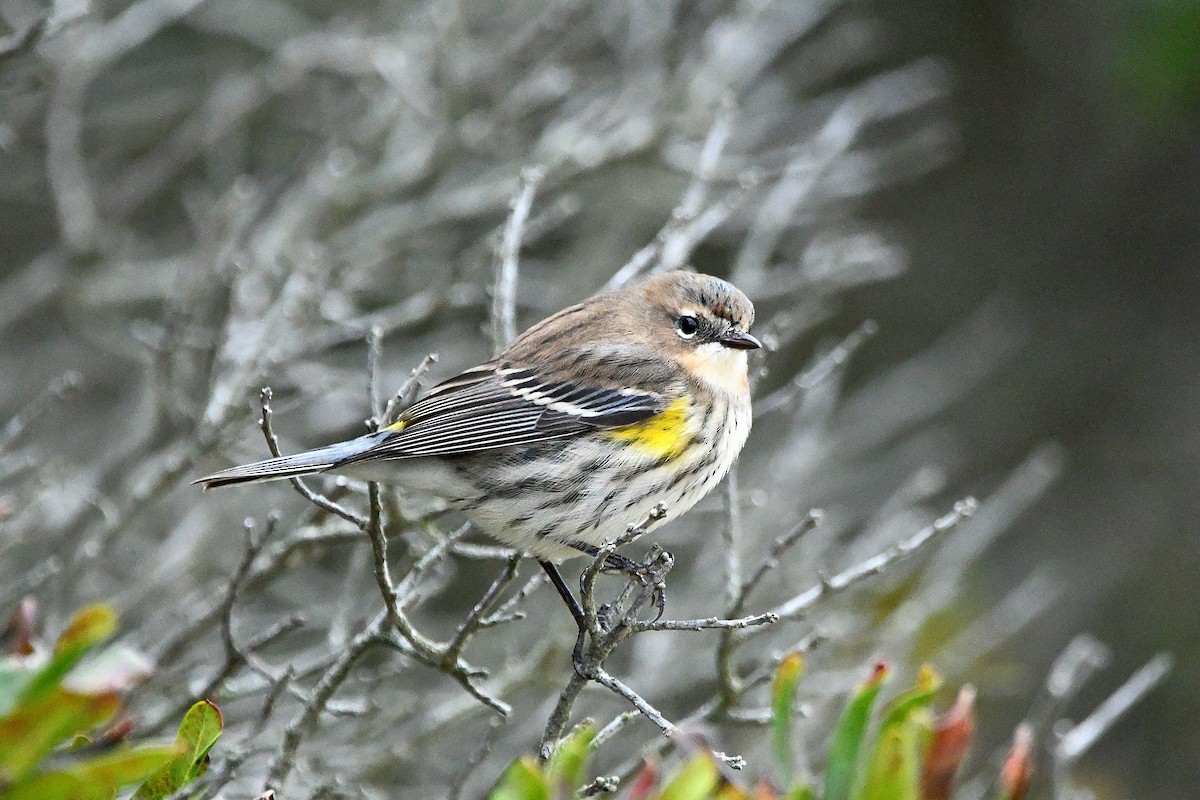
[[319, 500], [648, 711], [798, 605], [600, 633], [785, 396], [374, 356], [408, 390], [476, 758], [504, 292], [673, 243], [406, 637], [732, 535], [383, 577], [708, 623], [1080, 738], [56, 391], [780, 546], [508, 611], [281, 766], [474, 619], [612, 729]]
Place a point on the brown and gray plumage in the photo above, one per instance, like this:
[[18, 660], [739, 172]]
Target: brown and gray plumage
[[584, 424]]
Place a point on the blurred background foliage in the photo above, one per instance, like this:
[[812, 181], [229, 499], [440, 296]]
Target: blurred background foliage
[[1018, 217]]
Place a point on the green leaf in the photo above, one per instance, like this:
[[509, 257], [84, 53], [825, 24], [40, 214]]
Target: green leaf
[[842, 769], [783, 697], [801, 792], [919, 696], [90, 626], [523, 780], [28, 734], [199, 731], [904, 736], [695, 780], [55, 786], [566, 766], [99, 777]]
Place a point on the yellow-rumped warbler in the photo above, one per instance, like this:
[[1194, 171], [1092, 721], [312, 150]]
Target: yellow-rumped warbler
[[585, 423]]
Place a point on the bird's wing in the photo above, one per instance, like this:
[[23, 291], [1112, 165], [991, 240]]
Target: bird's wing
[[506, 405]]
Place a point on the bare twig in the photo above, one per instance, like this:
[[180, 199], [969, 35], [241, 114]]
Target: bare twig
[[600, 632], [474, 620], [798, 605], [504, 292], [319, 500], [408, 390], [732, 532], [1080, 738], [771, 560], [406, 637], [56, 391], [281, 766], [785, 396], [648, 711], [507, 611], [374, 356], [687, 224], [476, 758]]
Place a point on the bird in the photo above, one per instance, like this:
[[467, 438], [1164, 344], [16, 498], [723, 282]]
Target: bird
[[633, 400]]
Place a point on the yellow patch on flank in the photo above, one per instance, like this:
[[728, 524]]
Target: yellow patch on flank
[[398, 425], [665, 435]]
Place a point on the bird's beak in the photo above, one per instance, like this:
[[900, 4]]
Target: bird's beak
[[740, 340]]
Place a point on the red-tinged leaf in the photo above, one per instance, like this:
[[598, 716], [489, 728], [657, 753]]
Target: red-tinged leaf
[[764, 791], [199, 731], [644, 781], [783, 697], [116, 733], [1018, 766], [28, 734], [844, 749], [951, 737]]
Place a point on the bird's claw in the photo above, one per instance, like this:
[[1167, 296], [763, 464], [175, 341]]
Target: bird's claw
[[644, 574]]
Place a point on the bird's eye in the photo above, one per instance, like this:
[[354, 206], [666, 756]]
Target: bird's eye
[[687, 326]]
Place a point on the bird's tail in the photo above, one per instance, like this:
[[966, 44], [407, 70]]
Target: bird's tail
[[272, 469]]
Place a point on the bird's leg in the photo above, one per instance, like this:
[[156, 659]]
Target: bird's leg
[[573, 606], [564, 591]]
